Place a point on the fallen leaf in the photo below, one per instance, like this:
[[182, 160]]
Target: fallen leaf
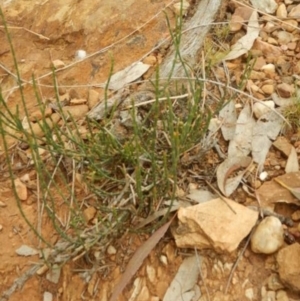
[[292, 164], [137, 259], [227, 168], [294, 191], [244, 44], [228, 118], [127, 75], [181, 288]]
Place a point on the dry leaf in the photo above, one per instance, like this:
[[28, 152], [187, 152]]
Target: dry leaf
[[127, 75], [292, 164], [244, 44], [181, 288], [294, 191], [137, 260], [228, 119], [226, 168]]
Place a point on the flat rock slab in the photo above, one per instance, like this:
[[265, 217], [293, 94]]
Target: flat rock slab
[[214, 225]]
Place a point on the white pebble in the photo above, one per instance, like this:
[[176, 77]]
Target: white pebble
[[263, 176], [80, 54]]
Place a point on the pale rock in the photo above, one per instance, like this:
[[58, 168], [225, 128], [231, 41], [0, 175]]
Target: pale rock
[[259, 108], [281, 11], [268, 68], [295, 12], [266, 6], [21, 189], [287, 2], [42, 270], [47, 296], [111, 250], [2, 204], [93, 98], [255, 75], [38, 115], [1, 227], [269, 27], [268, 89], [89, 213], [213, 225], [41, 128], [274, 282], [288, 260], [268, 236], [53, 275], [259, 62], [78, 101], [270, 296], [236, 23], [150, 60], [267, 49], [296, 216], [25, 250], [283, 145], [144, 295], [57, 64], [249, 293], [163, 259], [285, 90], [77, 112], [151, 273], [289, 25], [272, 41], [292, 45], [284, 37], [282, 296]]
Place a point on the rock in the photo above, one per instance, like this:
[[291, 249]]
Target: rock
[[249, 293], [283, 145], [268, 68], [47, 296], [268, 236], [151, 273], [282, 296], [285, 90], [111, 250], [281, 11], [213, 225], [267, 49], [25, 250], [40, 129], [93, 98], [268, 89], [295, 12], [296, 216], [288, 260], [78, 101], [289, 25], [77, 112], [236, 23], [38, 115], [89, 213], [57, 64], [21, 189], [274, 282], [53, 275], [269, 296], [260, 109], [284, 37], [267, 6]]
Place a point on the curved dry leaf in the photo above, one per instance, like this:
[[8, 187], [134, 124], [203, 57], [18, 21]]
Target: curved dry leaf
[[294, 191], [127, 75], [226, 168], [137, 259], [244, 44], [228, 118]]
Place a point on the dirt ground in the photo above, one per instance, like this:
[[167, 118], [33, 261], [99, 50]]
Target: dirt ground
[[118, 32]]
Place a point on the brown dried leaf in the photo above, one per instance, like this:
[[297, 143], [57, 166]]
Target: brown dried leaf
[[137, 260]]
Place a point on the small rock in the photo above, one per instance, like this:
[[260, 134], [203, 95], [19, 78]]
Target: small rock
[[282, 296], [76, 112], [80, 54], [47, 296], [42, 270], [268, 236], [268, 69], [53, 275], [111, 250], [268, 89], [38, 115], [284, 37], [267, 6], [150, 60], [274, 282], [249, 293], [93, 98], [295, 12], [283, 145], [2, 204], [281, 11], [260, 109], [288, 260], [25, 250], [76, 101], [270, 296], [285, 90], [163, 259], [296, 216], [89, 213], [39, 129], [289, 25], [1, 227], [236, 23], [21, 189], [151, 273], [57, 64]]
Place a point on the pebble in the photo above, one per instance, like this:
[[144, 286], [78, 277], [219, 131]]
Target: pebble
[[89, 213], [260, 109], [249, 293], [111, 250], [285, 90], [21, 190], [282, 296], [281, 11], [268, 236], [47, 296], [295, 12]]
